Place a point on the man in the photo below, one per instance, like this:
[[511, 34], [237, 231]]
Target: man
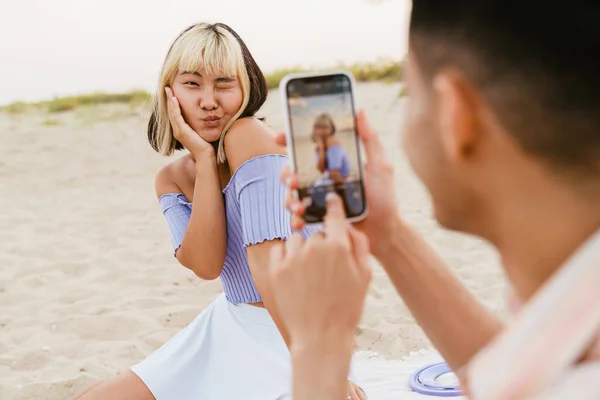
[[503, 128]]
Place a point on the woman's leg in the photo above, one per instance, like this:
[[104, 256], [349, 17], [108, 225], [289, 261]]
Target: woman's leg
[[125, 386]]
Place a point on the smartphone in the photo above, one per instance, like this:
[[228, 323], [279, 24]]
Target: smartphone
[[322, 141]]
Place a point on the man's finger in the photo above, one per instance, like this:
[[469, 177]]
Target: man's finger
[[370, 140], [360, 248], [286, 171], [335, 222], [288, 177], [297, 222], [294, 205], [276, 257], [293, 245], [281, 139]]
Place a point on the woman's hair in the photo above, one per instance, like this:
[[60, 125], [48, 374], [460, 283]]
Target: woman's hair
[[218, 50], [323, 119]]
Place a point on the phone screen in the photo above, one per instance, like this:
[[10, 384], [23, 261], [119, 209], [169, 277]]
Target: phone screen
[[325, 144]]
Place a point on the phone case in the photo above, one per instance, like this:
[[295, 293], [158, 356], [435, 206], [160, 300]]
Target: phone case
[[288, 128]]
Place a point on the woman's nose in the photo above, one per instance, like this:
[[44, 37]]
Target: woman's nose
[[208, 101]]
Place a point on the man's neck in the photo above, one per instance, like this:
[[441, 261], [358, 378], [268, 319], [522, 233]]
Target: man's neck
[[538, 230]]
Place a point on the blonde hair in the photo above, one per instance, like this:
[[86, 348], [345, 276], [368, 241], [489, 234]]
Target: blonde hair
[[322, 119], [215, 49]]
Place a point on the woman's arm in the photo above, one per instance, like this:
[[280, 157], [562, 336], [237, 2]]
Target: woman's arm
[[336, 176], [246, 139], [321, 157], [203, 245], [336, 158]]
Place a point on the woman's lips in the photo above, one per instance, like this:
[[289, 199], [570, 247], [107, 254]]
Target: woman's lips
[[212, 122]]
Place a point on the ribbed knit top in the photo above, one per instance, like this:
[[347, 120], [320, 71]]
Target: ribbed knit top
[[255, 212]]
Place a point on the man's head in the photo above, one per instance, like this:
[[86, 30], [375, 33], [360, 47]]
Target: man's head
[[499, 92]]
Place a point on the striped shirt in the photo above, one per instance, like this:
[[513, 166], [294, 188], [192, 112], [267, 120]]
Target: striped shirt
[[551, 348]]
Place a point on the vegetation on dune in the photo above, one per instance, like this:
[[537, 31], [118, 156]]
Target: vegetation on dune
[[68, 103], [385, 71]]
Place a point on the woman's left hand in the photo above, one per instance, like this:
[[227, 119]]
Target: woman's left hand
[[355, 392]]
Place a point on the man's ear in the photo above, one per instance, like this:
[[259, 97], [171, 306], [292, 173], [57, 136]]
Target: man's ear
[[459, 108]]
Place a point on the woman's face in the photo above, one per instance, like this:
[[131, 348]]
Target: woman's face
[[322, 130], [208, 102]]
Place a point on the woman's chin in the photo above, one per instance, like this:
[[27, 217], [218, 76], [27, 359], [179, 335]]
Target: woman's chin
[[210, 135]]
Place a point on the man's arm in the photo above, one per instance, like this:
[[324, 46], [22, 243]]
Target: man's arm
[[319, 369], [455, 322]]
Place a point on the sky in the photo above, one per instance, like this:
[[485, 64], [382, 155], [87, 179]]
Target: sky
[[63, 47]]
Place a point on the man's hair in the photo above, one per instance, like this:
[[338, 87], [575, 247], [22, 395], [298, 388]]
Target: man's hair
[[537, 65]]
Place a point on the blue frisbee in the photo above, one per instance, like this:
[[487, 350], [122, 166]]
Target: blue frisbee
[[423, 381]]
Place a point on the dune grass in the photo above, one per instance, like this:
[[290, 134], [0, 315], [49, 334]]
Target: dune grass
[[384, 71], [68, 103], [135, 97]]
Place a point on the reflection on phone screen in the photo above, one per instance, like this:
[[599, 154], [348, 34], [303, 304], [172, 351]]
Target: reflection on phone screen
[[326, 151]]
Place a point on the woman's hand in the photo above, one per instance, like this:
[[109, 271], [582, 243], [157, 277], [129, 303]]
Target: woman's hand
[[320, 144], [183, 132], [355, 392]]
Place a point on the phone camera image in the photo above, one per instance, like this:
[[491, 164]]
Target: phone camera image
[[325, 144]]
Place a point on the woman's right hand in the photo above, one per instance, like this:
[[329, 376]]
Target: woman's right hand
[[320, 144], [383, 219], [183, 132]]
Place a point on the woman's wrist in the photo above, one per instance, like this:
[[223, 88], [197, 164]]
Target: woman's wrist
[[204, 159], [204, 152], [207, 169]]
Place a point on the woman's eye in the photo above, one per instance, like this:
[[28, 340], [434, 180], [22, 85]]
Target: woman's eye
[[190, 83]]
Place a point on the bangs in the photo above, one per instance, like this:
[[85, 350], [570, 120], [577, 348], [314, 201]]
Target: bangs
[[323, 121], [214, 52]]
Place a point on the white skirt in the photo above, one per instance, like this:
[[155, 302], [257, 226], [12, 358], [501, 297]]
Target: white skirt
[[228, 352]]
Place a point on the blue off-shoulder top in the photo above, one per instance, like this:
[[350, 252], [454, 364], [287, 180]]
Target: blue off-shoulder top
[[255, 212]]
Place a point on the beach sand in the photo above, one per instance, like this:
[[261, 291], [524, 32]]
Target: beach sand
[[88, 282]]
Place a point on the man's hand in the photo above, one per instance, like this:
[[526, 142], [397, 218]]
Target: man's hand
[[319, 287], [383, 218]]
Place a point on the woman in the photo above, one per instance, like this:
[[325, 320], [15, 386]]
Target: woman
[[332, 160], [210, 85], [333, 163]]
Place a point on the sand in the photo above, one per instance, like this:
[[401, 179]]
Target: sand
[[88, 284]]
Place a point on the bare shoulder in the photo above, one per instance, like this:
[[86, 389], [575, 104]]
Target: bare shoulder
[[176, 177], [248, 138]]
